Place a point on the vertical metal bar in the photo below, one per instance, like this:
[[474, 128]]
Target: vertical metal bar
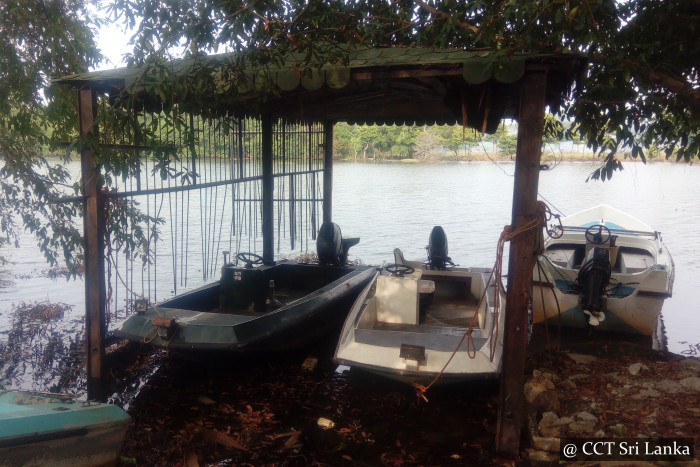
[[521, 260], [268, 187], [193, 150], [327, 171], [93, 225]]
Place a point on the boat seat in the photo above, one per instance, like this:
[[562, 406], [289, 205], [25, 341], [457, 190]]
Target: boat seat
[[242, 287], [397, 299], [562, 257], [426, 286], [631, 263]]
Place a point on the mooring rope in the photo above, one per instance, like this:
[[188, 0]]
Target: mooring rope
[[539, 220]]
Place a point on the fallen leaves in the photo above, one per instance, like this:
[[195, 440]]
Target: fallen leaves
[[217, 437]]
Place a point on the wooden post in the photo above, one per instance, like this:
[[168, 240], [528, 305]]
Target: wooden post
[[520, 263], [93, 228], [327, 171], [268, 188]]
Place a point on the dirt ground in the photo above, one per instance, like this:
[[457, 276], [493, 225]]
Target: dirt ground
[[269, 410]]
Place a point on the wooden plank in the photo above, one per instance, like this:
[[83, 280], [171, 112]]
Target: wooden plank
[[268, 188], [93, 229], [327, 171], [520, 264]]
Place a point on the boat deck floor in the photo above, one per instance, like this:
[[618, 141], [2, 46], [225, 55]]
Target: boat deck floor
[[437, 312], [449, 315]]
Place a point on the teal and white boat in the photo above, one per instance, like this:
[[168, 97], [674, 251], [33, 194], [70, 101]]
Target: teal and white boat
[[39, 429], [607, 269]]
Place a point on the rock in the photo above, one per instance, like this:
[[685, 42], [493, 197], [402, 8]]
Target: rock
[[309, 364], [535, 386], [546, 401], [206, 400], [692, 364], [550, 425], [669, 386], [550, 376], [325, 423], [645, 393], [568, 385], [582, 426], [587, 417], [636, 368], [692, 383], [599, 434], [546, 444], [542, 456], [582, 358]]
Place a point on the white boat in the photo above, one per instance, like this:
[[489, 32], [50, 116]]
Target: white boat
[[425, 323], [607, 269]]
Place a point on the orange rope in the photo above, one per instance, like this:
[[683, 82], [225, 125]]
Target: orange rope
[[540, 219]]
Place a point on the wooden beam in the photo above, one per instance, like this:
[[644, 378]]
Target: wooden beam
[[520, 263], [453, 70], [93, 228], [327, 171], [268, 188]]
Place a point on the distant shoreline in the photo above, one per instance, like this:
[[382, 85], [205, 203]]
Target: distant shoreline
[[547, 158]]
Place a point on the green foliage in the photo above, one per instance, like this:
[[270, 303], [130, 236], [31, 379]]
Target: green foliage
[[639, 94], [402, 141], [39, 41]]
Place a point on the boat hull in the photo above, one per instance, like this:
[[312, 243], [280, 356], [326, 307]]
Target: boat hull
[[635, 314], [378, 340], [216, 328], [45, 430], [641, 278]]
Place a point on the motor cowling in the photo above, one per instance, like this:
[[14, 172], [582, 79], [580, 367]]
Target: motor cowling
[[437, 249], [331, 247], [593, 279]]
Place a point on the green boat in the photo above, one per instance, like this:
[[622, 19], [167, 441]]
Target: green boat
[[38, 429], [273, 307]]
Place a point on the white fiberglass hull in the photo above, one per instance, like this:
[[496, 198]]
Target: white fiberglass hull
[[640, 281], [424, 335]]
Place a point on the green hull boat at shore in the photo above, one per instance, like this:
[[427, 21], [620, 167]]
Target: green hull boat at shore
[[272, 307], [38, 429]]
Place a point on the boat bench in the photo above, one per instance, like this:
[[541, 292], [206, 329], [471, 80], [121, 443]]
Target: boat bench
[[397, 298], [431, 337]]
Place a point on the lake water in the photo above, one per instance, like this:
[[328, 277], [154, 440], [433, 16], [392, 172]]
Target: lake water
[[390, 205]]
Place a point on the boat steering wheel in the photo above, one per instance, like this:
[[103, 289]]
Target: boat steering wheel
[[597, 234], [396, 269], [249, 259]]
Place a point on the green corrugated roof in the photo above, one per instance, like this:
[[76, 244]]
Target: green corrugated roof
[[371, 85], [478, 67]]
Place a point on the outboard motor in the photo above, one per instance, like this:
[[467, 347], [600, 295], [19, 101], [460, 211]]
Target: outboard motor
[[331, 248], [437, 249], [593, 279]]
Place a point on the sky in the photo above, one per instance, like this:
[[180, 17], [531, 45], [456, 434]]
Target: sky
[[113, 42]]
